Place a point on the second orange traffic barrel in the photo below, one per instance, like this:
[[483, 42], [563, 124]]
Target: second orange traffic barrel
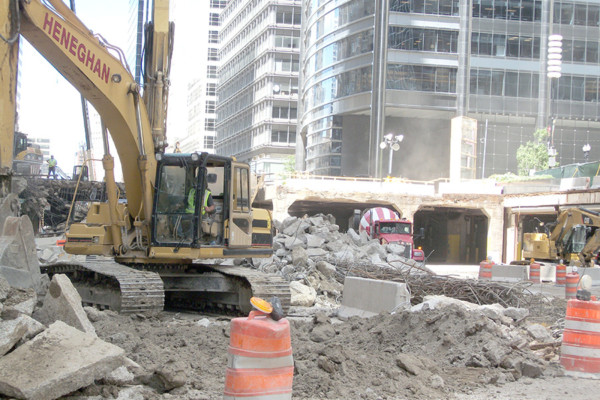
[[534, 272], [561, 275], [572, 280]]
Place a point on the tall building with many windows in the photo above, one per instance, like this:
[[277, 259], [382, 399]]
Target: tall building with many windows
[[258, 82], [201, 87], [427, 61]]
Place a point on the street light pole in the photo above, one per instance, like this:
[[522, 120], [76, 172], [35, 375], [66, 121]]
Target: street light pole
[[394, 144]]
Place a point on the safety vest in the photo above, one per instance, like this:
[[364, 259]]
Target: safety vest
[[191, 201], [52, 162]]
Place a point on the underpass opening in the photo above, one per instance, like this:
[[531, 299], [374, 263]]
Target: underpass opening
[[341, 209], [452, 235]]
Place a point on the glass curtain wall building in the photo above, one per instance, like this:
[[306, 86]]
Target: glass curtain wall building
[[495, 72], [258, 82]]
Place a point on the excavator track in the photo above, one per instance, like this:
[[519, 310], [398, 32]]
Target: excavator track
[[108, 285], [149, 287]]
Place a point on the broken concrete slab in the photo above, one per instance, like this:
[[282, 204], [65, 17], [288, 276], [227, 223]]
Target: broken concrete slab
[[56, 362], [33, 327], [369, 297], [316, 252], [63, 303], [299, 256], [4, 288], [11, 331], [18, 249], [326, 269], [293, 242], [314, 241], [22, 301], [302, 295]]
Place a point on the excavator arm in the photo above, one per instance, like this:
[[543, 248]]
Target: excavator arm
[[85, 61], [9, 45]]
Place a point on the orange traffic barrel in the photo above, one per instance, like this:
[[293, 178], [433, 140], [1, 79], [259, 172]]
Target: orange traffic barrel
[[485, 270], [580, 350], [534, 272], [259, 360], [561, 275], [61, 242], [572, 279]]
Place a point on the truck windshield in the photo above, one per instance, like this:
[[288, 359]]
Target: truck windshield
[[401, 228]]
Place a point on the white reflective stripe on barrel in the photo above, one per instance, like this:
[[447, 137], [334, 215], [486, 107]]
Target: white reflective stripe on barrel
[[281, 396], [241, 362], [582, 326], [567, 350]]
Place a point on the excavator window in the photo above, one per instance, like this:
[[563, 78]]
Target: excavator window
[[174, 223]]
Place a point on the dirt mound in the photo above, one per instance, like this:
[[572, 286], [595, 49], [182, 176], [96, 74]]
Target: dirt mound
[[429, 354]]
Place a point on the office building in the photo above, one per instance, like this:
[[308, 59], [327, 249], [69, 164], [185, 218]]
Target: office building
[[258, 82], [435, 60]]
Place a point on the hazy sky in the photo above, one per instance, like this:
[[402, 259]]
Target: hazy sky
[[51, 108]]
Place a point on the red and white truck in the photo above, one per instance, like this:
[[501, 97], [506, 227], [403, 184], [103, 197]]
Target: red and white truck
[[387, 226]]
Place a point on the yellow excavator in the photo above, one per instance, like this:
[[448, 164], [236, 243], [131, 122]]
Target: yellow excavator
[[573, 238], [160, 244]]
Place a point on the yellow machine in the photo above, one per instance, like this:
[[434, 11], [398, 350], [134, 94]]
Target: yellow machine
[[159, 241], [28, 158], [575, 239]]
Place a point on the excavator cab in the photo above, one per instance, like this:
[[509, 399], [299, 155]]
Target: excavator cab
[[181, 182], [179, 219]]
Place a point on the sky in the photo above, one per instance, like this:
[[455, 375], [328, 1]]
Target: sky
[[49, 107]]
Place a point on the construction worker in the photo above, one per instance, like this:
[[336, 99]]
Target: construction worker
[[51, 167], [208, 205]]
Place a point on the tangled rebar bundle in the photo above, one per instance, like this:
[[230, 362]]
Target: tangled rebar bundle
[[422, 282]]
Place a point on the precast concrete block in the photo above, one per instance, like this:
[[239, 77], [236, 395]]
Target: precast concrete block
[[509, 273], [547, 272], [593, 272], [56, 362], [368, 297]]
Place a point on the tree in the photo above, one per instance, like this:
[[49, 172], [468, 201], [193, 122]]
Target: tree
[[289, 165], [533, 154]]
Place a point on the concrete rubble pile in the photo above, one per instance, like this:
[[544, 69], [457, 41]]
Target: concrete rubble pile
[[308, 250], [427, 351]]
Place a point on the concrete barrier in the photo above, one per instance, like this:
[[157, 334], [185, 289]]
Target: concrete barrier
[[593, 272], [368, 297], [509, 273]]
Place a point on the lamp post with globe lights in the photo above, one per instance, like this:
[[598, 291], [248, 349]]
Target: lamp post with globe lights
[[586, 151], [393, 142]]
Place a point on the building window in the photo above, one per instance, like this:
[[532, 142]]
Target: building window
[[288, 17], [213, 19], [211, 72], [283, 137], [213, 54], [211, 89], [209, 124], [209, 142], [288, 64], [288, 41], [402, 38], [218, 3], [211, 107], [284, 112], [213, 36]]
